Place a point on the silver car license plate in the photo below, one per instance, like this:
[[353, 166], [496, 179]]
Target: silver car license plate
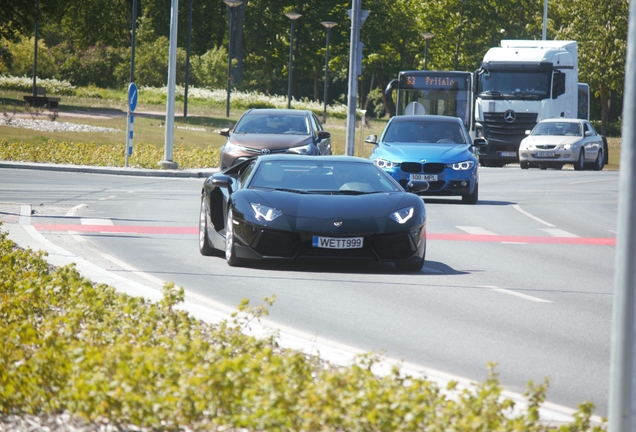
[[427, 177], [507, 154], [337, 242], [545, 154]]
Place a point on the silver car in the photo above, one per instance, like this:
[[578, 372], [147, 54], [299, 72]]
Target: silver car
[[555, 142]]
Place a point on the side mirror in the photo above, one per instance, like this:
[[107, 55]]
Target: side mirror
[[417, 186], [479, 142], [371, 139], [588, 133], [221, 181], [558, 87], [528, 131], [225, 132], [323, 135]]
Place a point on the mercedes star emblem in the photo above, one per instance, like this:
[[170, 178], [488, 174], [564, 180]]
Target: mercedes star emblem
[[510, 116]]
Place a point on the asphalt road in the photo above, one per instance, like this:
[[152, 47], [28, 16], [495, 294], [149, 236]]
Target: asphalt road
[[524, 278]]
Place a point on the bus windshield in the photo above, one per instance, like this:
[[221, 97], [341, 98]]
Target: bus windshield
[[435, 93]]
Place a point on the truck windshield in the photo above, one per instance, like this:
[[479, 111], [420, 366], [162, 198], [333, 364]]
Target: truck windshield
[[515, 84]]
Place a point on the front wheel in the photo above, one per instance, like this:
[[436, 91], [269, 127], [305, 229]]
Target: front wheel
[[599, 163], [579, 165], [524, 165], [230, 255], [473, 197], [204, 243]]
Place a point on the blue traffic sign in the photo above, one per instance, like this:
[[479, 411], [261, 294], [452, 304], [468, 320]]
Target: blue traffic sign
[[132, 96]]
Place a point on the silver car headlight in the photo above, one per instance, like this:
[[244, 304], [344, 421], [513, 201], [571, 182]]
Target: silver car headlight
[[462, 166], [305, 149], [382, 163], [263, 212], [403, 215], [571, 146]]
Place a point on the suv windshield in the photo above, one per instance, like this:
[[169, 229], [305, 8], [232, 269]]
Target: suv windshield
[[272, 124]]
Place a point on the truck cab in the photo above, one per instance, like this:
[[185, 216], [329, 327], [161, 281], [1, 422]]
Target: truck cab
[[518, 84]]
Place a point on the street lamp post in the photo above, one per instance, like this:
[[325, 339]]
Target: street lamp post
[[293, 16], [328, 25], [231, 4], [427, 36]]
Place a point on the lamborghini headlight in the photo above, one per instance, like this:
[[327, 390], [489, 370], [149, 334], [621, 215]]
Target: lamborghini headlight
[[263, 212], [403, 215]]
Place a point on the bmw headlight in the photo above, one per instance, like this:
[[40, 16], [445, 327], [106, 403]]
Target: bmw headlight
[[382, 163], [463, 166], [305, 149], [403, 215], [263, 212]]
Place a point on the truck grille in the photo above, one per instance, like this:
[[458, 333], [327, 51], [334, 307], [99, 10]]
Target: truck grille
[[496, 129]]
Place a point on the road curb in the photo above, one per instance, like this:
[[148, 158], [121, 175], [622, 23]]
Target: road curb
[[130, 171]]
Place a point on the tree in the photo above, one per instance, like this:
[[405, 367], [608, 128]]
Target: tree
[[601, 31]]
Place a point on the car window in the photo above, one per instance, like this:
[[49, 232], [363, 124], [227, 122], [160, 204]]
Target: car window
[[316, 124], [328, 177], [244, 175]]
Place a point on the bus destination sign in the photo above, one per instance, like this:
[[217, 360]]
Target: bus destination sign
[[428, 81]]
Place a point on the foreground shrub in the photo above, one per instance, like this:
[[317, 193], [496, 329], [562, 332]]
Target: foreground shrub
[[144, 155], [67, 344]]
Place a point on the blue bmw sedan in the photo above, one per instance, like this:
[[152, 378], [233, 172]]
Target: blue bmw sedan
[[434, 148]]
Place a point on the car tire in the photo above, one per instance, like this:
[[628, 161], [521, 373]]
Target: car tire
[[524, 165], [230, 253], [204, 242], [473, 197], [543, 166], [599, 163], [410, 266], [579, 165], [558, 166]]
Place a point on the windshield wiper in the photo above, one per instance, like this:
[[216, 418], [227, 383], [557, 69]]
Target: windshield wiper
[[291, 190]]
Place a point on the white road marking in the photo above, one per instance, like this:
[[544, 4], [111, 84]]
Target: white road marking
[[72, 211], [555, 232], [108, 197], [523, 212], [476, 230], [518, 294], [592, 181], [97, 221]]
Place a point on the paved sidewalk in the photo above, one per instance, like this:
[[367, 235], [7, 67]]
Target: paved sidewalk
[[130, 171]]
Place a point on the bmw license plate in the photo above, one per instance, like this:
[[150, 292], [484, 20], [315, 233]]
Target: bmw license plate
[[507, 154], [545, 154], [337, 242], [427, 177]]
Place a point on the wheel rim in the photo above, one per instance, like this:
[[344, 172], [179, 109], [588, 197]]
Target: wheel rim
[[229, 237], [202, 226]]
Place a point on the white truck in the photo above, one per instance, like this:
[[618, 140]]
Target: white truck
[[520, 83]]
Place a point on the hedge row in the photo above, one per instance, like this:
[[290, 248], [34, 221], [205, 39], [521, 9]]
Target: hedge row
[[145, 155], [69, 345]]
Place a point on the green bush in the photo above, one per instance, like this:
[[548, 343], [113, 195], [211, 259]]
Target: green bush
[[67, 344], [21, 59], [99, 66], [210, 69]]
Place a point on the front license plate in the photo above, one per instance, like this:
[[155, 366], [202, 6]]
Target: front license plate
[[337, 242], [545, 154], [427, 177], [508, 154]]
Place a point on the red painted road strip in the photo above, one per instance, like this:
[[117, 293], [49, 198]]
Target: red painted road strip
[[138, 229]]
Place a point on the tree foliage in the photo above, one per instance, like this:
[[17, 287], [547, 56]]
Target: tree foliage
[[464, 30]]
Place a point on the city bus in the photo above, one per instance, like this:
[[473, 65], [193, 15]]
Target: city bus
[[435, 93]]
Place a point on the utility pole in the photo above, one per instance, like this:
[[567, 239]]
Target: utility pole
[[355, 69], [167, 161]]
